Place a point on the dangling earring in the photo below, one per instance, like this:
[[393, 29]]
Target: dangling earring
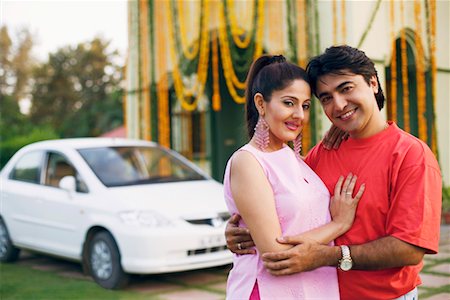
[[262, 134], [298, 145]]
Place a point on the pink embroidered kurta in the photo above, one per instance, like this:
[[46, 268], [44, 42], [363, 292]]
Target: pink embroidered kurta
[[302, 203]]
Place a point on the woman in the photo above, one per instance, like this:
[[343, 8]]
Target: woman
[[275, 192]]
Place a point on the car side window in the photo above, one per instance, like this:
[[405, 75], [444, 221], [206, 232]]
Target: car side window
[[28, 168], [57, 168]]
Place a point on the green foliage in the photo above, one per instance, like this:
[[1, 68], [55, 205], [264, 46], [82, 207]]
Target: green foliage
[[12, 121], [10, 146], [77, 92], [15, 63], [446, 199]]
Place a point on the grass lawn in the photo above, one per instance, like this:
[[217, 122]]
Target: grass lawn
[[22, 282]]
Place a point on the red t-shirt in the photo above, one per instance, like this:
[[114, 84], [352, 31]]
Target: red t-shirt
[[402, 199]]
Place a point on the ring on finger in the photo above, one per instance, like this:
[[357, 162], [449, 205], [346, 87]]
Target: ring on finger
[[348, 193], [239, 246]]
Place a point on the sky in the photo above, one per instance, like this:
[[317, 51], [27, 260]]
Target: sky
[[60, 23]]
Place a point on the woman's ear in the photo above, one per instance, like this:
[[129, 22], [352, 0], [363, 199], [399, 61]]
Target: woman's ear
[[259, 103]]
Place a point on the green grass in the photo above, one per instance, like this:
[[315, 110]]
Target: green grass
[[22, 282]]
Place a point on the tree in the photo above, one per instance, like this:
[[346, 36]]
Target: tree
[[16, 63], [78, 90]]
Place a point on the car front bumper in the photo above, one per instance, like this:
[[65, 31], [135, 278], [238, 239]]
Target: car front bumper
[[172, 250]]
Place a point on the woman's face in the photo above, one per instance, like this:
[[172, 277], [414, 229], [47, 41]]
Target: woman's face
[[287, 112]]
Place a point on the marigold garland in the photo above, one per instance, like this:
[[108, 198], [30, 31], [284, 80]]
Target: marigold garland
[[420, 73], [236, 32], [162, 85], [404, 57], [393, 94], [432, 45], [144, 53], [343, 22], [216, 102], [231, 79], [202, 69], [189, 52]]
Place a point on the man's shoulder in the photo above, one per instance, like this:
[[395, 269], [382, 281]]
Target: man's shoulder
[[413, 149]]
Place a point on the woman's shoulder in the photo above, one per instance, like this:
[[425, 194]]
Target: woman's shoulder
[[243, 158]]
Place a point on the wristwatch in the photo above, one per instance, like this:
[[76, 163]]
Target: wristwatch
[[346, 262]]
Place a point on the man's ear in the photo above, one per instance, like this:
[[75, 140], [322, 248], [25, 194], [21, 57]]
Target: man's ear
[[259, 103], [374, 84]]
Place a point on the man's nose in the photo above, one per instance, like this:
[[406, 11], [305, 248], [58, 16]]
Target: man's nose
[[340, 102]]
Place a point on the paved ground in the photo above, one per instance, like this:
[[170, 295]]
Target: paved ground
[[210, 284]]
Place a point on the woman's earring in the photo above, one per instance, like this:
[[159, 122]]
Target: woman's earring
[[262, 134], [298, 145]]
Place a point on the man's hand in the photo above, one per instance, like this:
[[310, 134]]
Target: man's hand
[[334, 137], [238, 239], [306, 255]]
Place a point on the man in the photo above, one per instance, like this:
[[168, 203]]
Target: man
[[397, 220]]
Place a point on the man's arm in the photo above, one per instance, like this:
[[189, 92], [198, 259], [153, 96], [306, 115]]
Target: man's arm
[[235, 235], [386, 252]]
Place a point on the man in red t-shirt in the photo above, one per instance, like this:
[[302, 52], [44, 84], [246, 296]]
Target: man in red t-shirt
[[398, 217]]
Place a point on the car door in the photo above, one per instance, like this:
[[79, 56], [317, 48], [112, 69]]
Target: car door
[[61, 215], [39, 214], [21, 195]]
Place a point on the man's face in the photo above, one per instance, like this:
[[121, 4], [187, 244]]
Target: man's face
[[349, 102]]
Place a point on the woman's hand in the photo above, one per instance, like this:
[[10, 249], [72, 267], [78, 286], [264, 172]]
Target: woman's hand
[[238, 239], [334, 137], [343, 205]]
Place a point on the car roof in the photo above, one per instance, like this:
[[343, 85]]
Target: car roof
[[80, 143]]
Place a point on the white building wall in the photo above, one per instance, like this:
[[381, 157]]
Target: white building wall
[[443, 87]]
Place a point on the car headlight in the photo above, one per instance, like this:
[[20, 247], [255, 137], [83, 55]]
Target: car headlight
[[145, 218]]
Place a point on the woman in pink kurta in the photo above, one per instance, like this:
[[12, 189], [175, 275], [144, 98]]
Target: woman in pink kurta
[[276, 193]]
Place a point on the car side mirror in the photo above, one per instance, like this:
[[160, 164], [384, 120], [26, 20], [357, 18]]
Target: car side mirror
[[68, 183]]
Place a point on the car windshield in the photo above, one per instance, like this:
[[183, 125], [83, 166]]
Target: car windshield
[[120, 166]]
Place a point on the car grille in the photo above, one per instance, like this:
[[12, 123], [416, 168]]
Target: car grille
[[215, 222], [206, 250]]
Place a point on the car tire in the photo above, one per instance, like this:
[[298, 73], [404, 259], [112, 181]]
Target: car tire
[[8, 253], [104, 262]]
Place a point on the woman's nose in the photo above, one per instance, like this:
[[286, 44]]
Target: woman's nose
[[299, 113]]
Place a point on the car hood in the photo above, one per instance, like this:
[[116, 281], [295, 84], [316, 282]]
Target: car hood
[[190, 199]]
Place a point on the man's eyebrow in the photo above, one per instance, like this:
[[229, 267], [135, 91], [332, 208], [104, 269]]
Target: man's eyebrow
[[343, 84], [337, 88]]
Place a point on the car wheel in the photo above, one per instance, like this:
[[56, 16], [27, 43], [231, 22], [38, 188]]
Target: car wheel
[[104, 262], [8, 253]]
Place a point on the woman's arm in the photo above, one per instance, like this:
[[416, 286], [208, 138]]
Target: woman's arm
[[255, 202], [343, 209]]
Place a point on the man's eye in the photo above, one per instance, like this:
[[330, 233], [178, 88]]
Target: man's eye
[[324, 100], [347, 88]]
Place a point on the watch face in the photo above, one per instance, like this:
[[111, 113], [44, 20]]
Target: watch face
[[346, 264]]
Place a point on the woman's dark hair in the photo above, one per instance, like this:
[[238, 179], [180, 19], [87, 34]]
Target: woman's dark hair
[[342, 60], [267, 74]]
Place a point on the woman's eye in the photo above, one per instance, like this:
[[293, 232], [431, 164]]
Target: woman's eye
[[306, 106], [289, 103]]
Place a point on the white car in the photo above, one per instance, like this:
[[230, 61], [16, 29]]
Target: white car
[[118, 206]]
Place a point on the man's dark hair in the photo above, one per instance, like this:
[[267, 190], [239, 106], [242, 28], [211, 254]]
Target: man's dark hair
[[342, 60]]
